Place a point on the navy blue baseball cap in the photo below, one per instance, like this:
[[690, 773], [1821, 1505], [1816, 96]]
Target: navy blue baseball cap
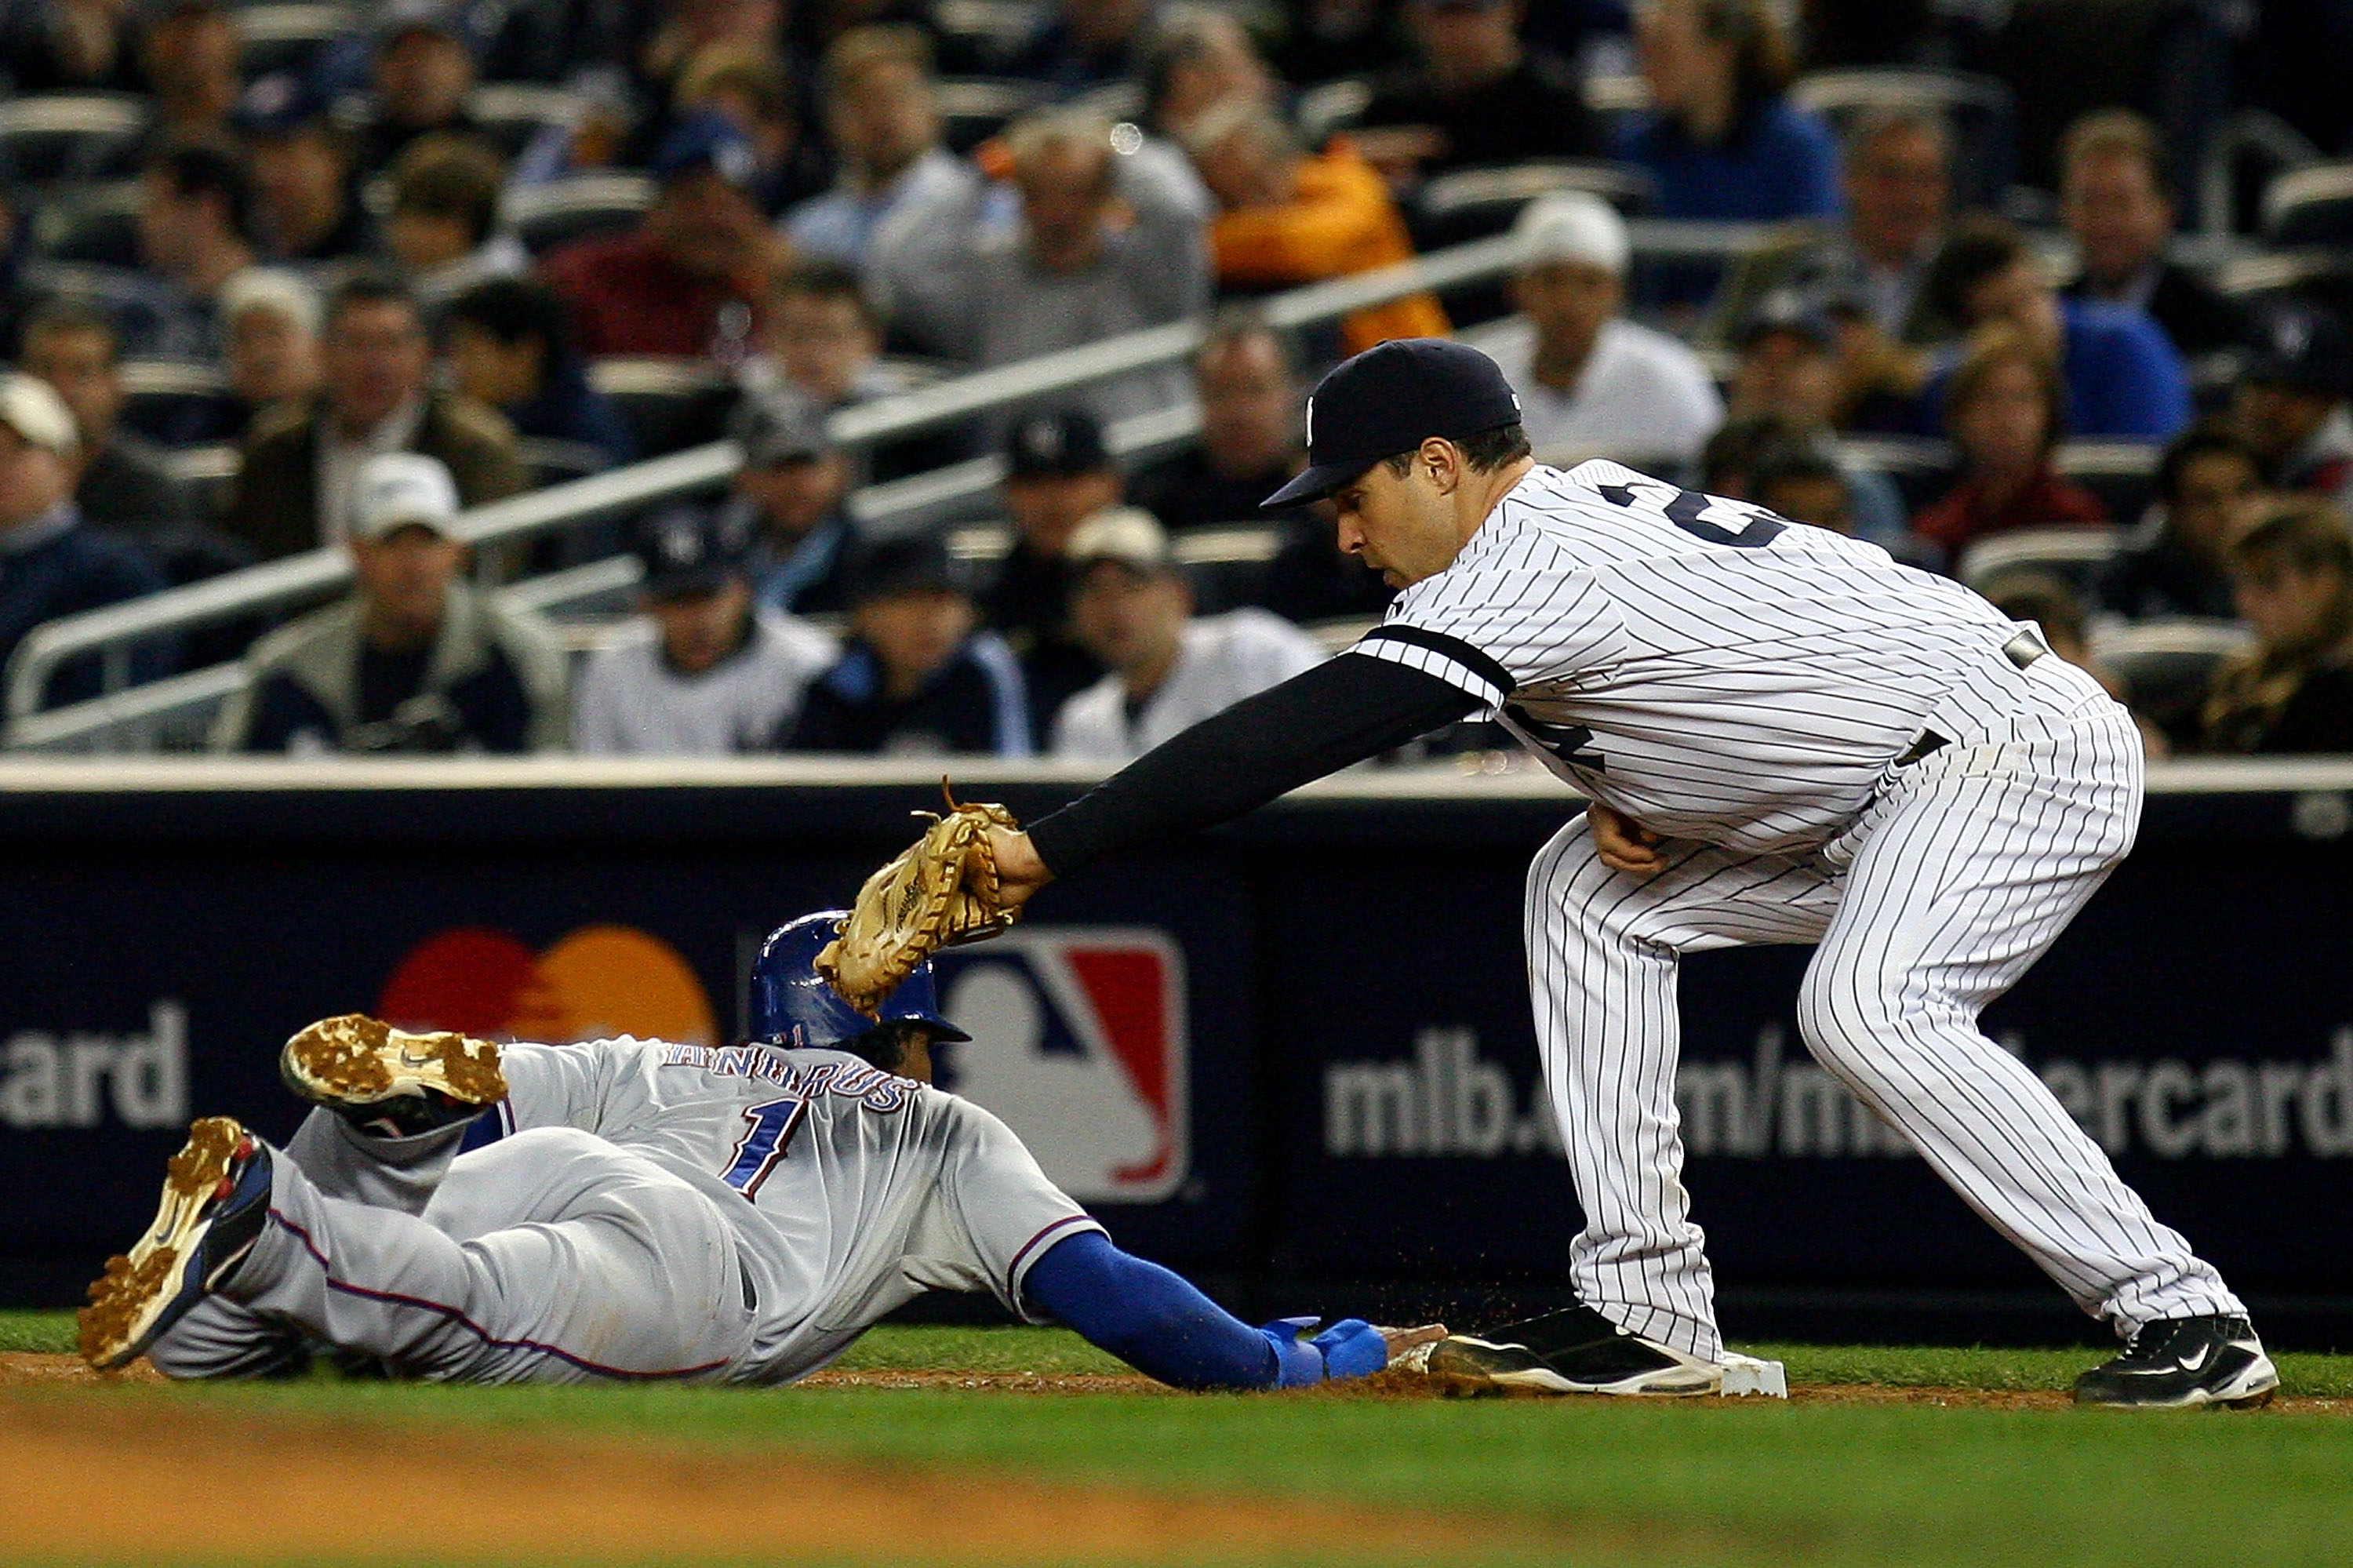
[[692, 548], [1389, 400], [2301, 345], [278, 104], [707, 140]]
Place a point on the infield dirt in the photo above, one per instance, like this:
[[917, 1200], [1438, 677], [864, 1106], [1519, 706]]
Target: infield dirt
[[186, 1483], [100, 1473]]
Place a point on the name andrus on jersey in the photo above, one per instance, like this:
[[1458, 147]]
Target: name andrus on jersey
[[870, 1087]]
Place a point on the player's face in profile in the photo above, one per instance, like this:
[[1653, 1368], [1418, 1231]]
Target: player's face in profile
[[1400, 526]]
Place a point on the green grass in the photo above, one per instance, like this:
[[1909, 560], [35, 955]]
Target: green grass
[[1702, 1481], [49, 1331]]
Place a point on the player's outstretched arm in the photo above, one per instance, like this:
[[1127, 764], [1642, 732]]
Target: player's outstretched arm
[[1338, 713], [1155, 1321]]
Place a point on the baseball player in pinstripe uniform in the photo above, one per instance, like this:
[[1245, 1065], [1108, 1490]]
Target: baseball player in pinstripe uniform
[[1785, 737]]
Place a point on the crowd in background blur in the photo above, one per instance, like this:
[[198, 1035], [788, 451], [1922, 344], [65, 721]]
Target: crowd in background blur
[[278, 279]]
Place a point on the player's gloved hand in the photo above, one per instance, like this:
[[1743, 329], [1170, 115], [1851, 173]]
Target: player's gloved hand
[[1349, 1347]]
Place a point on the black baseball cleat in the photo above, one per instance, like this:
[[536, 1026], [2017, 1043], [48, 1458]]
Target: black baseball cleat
[[1576, 1351], [2176, 1363], [388, 1082], [216, 1202]]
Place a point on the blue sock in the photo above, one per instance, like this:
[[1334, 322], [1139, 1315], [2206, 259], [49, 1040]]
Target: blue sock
[[1148, 1317]]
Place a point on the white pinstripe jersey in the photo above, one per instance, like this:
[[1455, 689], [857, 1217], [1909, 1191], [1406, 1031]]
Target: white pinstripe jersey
[[1713, 671]]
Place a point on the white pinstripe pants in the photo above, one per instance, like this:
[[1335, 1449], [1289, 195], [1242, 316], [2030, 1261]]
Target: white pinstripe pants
[[1962, 872]]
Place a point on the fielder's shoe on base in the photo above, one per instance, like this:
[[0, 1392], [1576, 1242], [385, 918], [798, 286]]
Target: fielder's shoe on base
[[1574, 1352], [2175, 1363], [216, 1202], [388, 1082]]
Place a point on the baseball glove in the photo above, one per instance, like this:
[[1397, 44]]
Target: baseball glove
[[942, 890]]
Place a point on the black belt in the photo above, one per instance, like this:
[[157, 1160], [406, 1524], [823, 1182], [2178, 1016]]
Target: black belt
[[2022, 650], [1928, 743]]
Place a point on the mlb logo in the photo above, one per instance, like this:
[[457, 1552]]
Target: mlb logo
[[1079, 1043]]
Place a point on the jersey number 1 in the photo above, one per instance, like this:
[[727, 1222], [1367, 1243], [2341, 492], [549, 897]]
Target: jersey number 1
[[764, 1143], [1683, 510]]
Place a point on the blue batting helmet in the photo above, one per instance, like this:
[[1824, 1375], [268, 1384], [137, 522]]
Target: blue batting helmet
[[792, 1004]]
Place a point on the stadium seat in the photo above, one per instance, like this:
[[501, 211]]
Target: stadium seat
[[975, 108], [159, 395], [1114, 100], [546, 215], [285, 37], [2312, 205], [664, 399], [2074, 555], [983, 543], [2121, 473], [2323, 277], [511, 112], [1612, 98], [1980, 109], [1330, 107], [1226, 566], [1921, 469], [1472, 204], [975, 35], [97, 225], [209, 472], [557, 462], [2250, 150], [67, 138], [2164, 666]]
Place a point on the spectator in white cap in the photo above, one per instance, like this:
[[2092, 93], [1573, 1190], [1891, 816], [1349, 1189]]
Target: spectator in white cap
[[414, 661], [1590, 382], [51, 562], [1132, 610]]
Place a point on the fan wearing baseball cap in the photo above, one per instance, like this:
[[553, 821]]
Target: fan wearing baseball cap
[[414, 661], [2290, 404], [1132, 607], [918, 677], [1591, 381], [720, 674], [693, 279], [51, 562]]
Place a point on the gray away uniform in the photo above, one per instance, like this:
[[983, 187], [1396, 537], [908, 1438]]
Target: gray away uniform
[[652, 1210]]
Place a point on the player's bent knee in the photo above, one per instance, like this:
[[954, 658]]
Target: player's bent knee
[[1849, 1022]]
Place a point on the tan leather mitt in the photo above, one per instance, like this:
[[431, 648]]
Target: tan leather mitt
[[942, 890]]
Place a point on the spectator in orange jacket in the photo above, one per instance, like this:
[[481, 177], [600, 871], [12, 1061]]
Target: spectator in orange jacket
[[1289, 216]]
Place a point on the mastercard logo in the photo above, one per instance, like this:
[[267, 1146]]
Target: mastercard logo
[[597, 982]]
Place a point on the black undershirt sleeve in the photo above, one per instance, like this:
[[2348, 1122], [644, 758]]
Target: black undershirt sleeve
[[1341, 711]]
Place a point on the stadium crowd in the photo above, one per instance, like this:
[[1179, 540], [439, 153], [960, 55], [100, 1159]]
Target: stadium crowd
[[274, 282]]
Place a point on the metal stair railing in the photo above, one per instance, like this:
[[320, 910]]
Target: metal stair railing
[[317, 574]]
